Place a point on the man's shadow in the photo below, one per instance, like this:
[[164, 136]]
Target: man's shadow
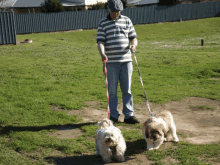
[[7, 129]]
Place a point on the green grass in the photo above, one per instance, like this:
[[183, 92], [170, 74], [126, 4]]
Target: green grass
[[67, 73], [187, 153], [201, 107]]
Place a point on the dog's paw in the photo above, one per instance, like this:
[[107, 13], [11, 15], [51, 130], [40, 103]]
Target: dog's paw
[[120, 158], [149, 149], [106, 160], [156, 148], [176, 140]]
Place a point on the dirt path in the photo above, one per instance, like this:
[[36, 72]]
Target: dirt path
[[197, 121], [201, 126]]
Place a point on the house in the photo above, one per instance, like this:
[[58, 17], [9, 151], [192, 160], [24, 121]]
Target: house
[[152, 2], [84, 4], [142, 2], [22, 6], [33, 6], [27, 6], [4, 4]]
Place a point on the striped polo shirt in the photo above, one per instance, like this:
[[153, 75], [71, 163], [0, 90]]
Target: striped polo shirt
[[115, 35]]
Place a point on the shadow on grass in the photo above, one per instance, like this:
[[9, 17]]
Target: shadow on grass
[[8, 129], [135, 147], [84, 159]]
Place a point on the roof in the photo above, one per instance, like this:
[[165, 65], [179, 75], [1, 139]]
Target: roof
[[190, 0], [142, 2], [28, 3], [37, 3], [7, 3], [72, 2]]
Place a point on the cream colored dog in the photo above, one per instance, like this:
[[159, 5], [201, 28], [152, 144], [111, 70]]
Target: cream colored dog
[[157, 129], [109, 142]]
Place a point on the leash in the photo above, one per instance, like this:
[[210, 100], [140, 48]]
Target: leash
[[106, 82], [142, 84]]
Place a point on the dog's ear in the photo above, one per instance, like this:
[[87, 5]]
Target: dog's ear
[[111, 123], [98, 123], [146, 130]]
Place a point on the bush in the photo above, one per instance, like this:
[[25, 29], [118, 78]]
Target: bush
[[102, 5], [99, 5], [125, 3], [168, 2], [52, 6]]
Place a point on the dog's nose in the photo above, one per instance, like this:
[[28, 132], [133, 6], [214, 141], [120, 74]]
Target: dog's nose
[[108, 139], [154, 137]]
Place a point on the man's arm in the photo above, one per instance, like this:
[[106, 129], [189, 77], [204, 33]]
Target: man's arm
[[101, 49], [134, 43]]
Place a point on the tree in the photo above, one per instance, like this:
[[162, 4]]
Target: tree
[[168, 2], [52, 6], [99, 5], [102, 5], [125, 3]]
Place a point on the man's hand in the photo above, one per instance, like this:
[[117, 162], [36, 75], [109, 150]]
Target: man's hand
[[133, 44], [104, 57], [133, 47], [101, 49]]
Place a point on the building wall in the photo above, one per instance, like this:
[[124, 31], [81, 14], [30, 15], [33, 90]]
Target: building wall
[[26, 10], [92, 2], [88, 3]]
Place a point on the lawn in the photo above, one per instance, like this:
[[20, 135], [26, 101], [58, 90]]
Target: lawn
[[64, 69]]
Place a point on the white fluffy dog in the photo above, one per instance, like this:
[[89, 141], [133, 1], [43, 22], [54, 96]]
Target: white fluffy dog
[[157, 129], [109, 142]]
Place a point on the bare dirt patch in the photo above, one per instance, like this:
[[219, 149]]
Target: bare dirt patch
[[194, 125], [66, 132], [197, 126]]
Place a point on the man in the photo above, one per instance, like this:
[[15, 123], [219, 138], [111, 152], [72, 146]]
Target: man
[[115, 37]]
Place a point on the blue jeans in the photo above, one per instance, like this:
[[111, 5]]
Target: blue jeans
[[121, 72]]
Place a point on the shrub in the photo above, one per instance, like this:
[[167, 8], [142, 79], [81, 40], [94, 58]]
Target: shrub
[[102, 5], [52, 6], [99, 5], [168, 2]]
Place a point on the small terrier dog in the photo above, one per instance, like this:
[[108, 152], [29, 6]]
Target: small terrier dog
[[109, 142], [156, 130]]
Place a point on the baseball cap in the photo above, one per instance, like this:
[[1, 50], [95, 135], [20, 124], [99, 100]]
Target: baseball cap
[[115, 5]]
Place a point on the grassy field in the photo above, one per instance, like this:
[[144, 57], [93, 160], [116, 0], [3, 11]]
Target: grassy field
[[65, 69]]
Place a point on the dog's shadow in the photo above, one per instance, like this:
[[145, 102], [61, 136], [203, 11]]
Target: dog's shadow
[[135, 147], [84, 159]]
